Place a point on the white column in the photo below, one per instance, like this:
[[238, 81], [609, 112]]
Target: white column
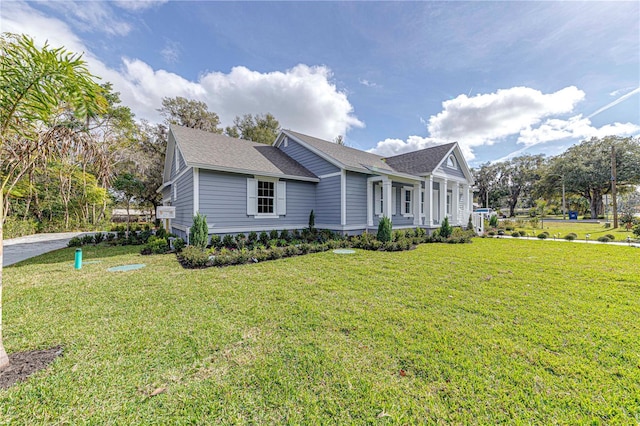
[[416, 203], [370, 201], [443, 200], [455, 204], [470, 199], [387, 198], [428, 201]]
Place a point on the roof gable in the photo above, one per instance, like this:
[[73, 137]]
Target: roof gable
[[421, 162], [342, 156]]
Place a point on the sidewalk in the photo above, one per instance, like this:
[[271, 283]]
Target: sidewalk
[[21, 248]]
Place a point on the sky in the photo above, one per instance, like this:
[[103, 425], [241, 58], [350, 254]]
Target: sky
[[500, 78]]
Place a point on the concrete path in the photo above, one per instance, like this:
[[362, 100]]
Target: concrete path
[[18, 249]]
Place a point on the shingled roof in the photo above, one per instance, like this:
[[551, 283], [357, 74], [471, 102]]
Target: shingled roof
[[344, 155], [417, 163], [219, 152], [420, 162]]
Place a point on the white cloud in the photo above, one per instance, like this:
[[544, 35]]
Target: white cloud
[[485, 118], [136, 5], [368, 83], [91, 16], [171, 51], [303, 98], [390, 147], [577, 127]]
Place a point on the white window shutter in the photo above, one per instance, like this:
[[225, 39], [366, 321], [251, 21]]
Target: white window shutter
[[252, 196], [281, 193], [377, 190], [394, 200]]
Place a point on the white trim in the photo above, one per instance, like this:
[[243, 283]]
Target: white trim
[[252, 172], [343, 198], [179, 227], [329, 175], [403, 201], [196, 191], [245, 229], [370, 200]]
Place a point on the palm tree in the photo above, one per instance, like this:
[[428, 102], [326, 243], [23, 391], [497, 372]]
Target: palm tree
[[34, 84]]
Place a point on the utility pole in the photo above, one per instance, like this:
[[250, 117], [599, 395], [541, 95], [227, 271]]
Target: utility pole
[[613, 186]]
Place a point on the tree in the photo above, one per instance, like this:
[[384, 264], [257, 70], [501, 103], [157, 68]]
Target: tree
[[490, 189], [256, 128], [518, 177], [586, 168], [190, 113], [34, 82], [129, 188], [339, 140]]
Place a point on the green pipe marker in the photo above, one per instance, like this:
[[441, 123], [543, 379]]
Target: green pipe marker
[[78, 263]]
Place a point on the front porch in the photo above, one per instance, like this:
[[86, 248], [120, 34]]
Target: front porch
[[424, 203]]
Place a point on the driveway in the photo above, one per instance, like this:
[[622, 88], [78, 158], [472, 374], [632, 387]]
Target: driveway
[[18, 249]]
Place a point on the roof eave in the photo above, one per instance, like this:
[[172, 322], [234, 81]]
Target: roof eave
[[252, 172]]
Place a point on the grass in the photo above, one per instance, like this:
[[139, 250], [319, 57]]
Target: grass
[[498, 331], [579, 228]]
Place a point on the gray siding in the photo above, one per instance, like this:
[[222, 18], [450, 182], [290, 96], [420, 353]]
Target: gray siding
[[314, 163], [398, 219], [166, 193], [184, 200], [356, 198], [327, 209], [223, 199], [457, 172]]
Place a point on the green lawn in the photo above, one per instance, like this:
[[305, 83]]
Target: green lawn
[[579, 228], [498, 331]]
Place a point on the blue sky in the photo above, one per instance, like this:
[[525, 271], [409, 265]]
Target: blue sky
[[501, 78]]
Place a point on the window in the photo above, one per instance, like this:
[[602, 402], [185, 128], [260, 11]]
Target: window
[[451, 162], [407, 201], [449, 199], [266, 197], [421, 202], [379, 199]]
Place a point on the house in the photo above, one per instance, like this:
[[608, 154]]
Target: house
[[243, 186]]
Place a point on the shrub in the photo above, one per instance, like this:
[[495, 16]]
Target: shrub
[[199, 232], [273, 235], [74, 242], [493, 221], [636, 230], [87, 239], [570, 237], [604, 239], [98, 237], [215, 241], [470, 222], [285, 235], [193, 257], [229, 242], [543, 235], [523, 233], [515, 234], [445, 229], [252, 237], [384, 230], [160, 232], [179, 244], [156, 246], [491, 233], [534, 222], [611, 237], [264, 238]]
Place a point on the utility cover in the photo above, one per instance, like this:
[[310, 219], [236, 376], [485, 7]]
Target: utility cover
[[125, 268], [344, 251]]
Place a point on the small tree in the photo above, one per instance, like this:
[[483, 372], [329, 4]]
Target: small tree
[[199, 233], [470, 223], [493, 221], [385, 228], [445, 229], [129, 188], [312, 221]]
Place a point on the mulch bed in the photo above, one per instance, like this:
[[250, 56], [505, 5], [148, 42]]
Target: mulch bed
[[24, 364]]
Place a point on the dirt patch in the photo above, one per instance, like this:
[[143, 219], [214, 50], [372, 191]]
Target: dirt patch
[[24, 364]]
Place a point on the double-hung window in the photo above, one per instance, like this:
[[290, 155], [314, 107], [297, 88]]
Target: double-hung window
[[407, 201], [266, 197]]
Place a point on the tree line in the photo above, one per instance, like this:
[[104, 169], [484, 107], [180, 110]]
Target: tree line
[[70, 149], [585, 170]]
